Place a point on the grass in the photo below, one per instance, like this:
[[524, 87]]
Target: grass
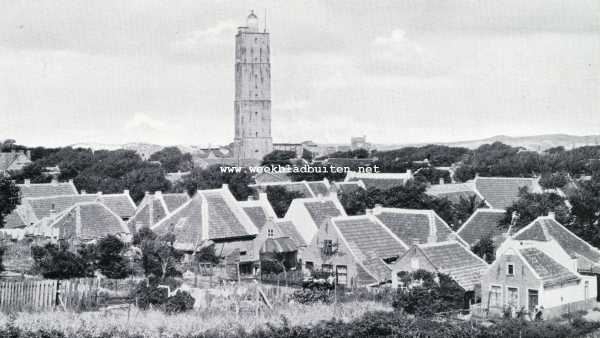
[[154, 323]]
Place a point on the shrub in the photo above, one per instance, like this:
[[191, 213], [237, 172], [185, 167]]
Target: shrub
[[182, 301], [146, 294], [59, 263], [425, 293]]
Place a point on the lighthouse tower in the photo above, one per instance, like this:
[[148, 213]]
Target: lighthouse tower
[[252, 104]]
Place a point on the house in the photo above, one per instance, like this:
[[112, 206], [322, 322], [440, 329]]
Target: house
[[309, 214], [83, 222], [212, 214], [206, 157], [380, 180], [532, 274], [547, 228], [54, 188], [502, 192], [354, 249], [155, 207], [415, 226], [484, 223], [14, 161], [305, 188], [447, 257], [454, 192]]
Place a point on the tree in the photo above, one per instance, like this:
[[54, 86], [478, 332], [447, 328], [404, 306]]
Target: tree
[[554, 180], [425, 293], [160, 258], [485, 249], [111, 260], [59, 263], [143, 234], [307, 155], [9, 198], [172, 159], [280, 199], [278, 158], [530, 206], [213, 178], [433, 176], [207, 254], [355, 202], [586, 210]]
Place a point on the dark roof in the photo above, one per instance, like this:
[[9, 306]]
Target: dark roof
[[321, 211], [483, 223], [174, 201], [549, 270], [410, 225], [502, 192], [279, 245], [453, 192], [257, 215], [88, 221], [543, 228], [222, 222], [457, 261], [368, 236], [289, 230], [47, 189], [185, 223]]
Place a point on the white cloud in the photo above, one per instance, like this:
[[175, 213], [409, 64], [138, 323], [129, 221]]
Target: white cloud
[[199, 40], [144, 121]]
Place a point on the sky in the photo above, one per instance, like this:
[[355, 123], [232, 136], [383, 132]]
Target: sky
[[402, 71]]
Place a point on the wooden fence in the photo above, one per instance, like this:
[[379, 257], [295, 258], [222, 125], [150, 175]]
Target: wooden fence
[[291, 278], [73, 294]]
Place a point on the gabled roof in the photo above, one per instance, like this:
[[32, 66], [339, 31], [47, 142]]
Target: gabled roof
[[290, 230], [121, 204], [412, 225], [369, 236], [455, 260], [308, 214], [88, 221], [381, 181], [30, 190], [155, 207], [545, 228], [305, 188], [502, 192], [269, 177], [482, 223], [279, 245], [258, 210], [454, 191], [209, 215], [13, 161], [549, 270]]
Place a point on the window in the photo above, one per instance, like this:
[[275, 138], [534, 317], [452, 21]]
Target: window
[[341, 273], [270, 233], [510, 269], [328, 247], [512, 297], [243, 253], [310, 266], [327, 268]]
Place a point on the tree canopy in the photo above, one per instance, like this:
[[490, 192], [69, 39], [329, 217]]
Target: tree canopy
[[9, 198], [172, 159], [213, 178]]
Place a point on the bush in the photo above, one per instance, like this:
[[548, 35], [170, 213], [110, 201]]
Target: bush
[[425, 293], [182, 301], [146, 294]]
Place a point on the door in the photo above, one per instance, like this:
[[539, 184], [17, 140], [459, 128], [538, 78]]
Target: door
[[513, 297], [533, 298]]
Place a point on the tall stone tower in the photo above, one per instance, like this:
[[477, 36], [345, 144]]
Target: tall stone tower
[[252, 103]]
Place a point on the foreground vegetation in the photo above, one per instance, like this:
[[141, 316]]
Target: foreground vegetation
[[346, 320]]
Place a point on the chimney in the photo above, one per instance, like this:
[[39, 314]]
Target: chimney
[[442, 180], [28, 154], [125, 191], [415, 241], [225, 186], [54, 181], [27, 181], [551, 214], [409, 172], [262, 196], [250, 198], [158, 193], [377, 209], [83, 192]]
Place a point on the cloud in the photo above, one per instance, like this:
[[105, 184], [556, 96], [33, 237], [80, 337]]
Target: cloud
[[144, 121]]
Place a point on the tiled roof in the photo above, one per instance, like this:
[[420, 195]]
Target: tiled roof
[[483, 223], [13, 161], [47, 189], [210, 214], [174, 201], [550, 271], [321, 211], [279, 245], [121, 204], [544, 227], [453, 192], [257, 215], [502, 192], [410, 225], [455, 260], [14, 220], [89, 221], [290, 230], [318, 188], [268, 177], [369, 236], [380, 181], [246, 248]]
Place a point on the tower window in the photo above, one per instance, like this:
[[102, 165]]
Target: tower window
[[256, 134]]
